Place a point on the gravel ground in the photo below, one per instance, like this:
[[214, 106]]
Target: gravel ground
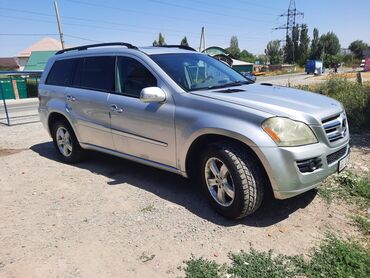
[[108, 217]]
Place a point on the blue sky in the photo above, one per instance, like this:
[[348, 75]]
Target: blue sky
[[140, 21]]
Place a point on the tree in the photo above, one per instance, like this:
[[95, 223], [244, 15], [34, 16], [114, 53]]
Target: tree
[[234, 49], [289, 51], [314, 54], [304, 41], [329, 43], [357, 47], [274, 52], [184, 42], [329, 48], [247, 56], [295, 40], [160, 41]]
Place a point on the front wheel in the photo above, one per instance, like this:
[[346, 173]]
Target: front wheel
[[232, 180], [66, 143]]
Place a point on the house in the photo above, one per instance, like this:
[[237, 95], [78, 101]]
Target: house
[[220, 54], [45, 44], [38, 59], [9, 63]]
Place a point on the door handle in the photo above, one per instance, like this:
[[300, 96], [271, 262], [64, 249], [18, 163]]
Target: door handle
[[115, 108], [71, 98]]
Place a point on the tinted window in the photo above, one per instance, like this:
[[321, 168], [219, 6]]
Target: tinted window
[[132, 77], [61, 73], [96, 73]]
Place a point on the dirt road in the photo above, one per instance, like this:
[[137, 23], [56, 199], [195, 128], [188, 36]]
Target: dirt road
[[108, 217]]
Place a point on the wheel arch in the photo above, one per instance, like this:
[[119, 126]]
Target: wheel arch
[[199, 143], [56, 116]]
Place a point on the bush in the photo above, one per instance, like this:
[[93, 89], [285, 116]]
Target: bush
[[354, 97], [333, 258]]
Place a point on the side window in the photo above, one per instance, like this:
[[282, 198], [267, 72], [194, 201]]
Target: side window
[[132, 77], [61, 73], [96, 73]]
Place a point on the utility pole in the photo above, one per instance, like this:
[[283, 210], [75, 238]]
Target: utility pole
[[290, 15], [59, 23], [202, 45]]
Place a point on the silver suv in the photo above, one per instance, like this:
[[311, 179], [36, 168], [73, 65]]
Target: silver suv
[[185, 112]]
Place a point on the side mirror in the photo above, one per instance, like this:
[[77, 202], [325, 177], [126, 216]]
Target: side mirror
[[152, 94]]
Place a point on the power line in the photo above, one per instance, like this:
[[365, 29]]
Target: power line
[[291, 15], [25, 34], [207, 11]]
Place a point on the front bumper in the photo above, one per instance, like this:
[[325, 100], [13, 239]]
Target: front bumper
[[288, 180]]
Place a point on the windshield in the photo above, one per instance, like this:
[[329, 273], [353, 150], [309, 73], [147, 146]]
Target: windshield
[[195, 71]]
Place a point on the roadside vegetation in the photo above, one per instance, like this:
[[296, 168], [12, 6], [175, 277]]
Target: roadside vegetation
[[333, 258], [354, 97]]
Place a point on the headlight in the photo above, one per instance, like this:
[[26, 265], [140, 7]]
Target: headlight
[[288, 133]]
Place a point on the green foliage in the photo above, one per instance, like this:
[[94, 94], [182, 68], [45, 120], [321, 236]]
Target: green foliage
[[202, 268], [274, 52], [304, 41], [340, 259], [329, 43], [264, 265], [333, 258], [357, 47], [234, 49], [247, 56], [295, 40], [161, 40], [184, 42], [289, 51], [315, 53], [347, 186], [363, 223], [354, 97]]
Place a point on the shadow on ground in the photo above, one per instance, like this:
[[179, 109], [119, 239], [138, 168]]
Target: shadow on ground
[[177, 189]]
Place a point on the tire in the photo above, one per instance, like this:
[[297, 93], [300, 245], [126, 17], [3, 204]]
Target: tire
[[243, 176], [68, 148]]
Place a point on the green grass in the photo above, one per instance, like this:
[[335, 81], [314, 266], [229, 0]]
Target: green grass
[[363, 223], [347, 186], [354, 97], [333, 258], [203, 268]]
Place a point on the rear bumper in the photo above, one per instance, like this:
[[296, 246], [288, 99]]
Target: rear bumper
[[289, 180]]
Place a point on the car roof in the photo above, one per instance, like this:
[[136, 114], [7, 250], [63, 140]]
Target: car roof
[[149, 50]]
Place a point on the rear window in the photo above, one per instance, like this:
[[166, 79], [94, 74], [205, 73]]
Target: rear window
[[61, 73], [96, 73]]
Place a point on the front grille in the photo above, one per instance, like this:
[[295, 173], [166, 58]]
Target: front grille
[[309, 165], [335, 127], [331, 158]]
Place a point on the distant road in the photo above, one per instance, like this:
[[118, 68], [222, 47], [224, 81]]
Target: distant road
[[20, 111], [300, 78]]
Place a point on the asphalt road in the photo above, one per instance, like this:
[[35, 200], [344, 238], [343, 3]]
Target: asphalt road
[[300, 78], [20, 111]]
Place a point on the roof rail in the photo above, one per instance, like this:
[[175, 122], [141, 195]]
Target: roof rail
[[177, 46], [84, 47]]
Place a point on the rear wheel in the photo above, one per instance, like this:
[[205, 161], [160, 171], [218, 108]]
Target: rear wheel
[[232, 180], [66, 143]]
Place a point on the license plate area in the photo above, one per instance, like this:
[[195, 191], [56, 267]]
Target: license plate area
[[342, 164]]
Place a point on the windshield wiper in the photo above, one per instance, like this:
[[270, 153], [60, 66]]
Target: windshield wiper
[[231, 84]]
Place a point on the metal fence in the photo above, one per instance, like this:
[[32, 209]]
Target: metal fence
[[22, 111]]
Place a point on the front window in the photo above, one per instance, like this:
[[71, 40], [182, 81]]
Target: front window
[[195, 71]]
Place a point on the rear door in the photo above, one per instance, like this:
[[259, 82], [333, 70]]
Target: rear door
[[87, 99]]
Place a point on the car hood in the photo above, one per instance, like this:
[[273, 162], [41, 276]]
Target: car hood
[[279, 101]]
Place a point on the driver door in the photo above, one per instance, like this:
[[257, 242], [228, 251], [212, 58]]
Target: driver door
[[143, 130]]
